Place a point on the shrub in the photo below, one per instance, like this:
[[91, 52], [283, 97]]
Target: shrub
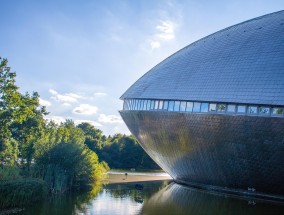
[[68, 165], [20, 192]]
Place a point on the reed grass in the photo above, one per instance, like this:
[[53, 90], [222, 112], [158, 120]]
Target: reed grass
[[17, 193]]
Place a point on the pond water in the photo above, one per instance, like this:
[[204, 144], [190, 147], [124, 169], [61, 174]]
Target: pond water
[[159, 197]]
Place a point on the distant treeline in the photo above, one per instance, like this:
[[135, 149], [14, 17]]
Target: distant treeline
[[36, 153], [119, 151]]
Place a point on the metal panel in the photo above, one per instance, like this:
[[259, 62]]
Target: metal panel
[[243, 63], [233, 151]]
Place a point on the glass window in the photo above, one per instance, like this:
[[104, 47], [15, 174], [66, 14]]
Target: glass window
[[252, 110], [166, 104], [141, 104], [171, 106], [148, 105], [138, 105], [231, 108], [241, 109], [182, 106], [161, 105], [189, 106], [204, 107], [277, 111], [177, 104], [125, 105], [152, 104], [156, 106], [134, 104], [264, 110], [196, 106], [130, 104], [221, 107], [212, 107], [144, 104]]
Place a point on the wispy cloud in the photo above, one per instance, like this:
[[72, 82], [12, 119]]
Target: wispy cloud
[[155, 44], [64, 98], [110, 119], [85, 109], [73, 95], [96, 124], [165, 31], [66, 104], [56, 119], [99, 94], [43, 102]]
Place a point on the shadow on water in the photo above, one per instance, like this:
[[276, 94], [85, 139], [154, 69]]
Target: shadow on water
[[180, 200], [157, 197]]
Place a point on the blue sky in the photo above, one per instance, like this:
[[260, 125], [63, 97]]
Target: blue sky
[[81, 56]]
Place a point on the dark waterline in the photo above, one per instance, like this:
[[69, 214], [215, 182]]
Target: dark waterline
[[156, 198]]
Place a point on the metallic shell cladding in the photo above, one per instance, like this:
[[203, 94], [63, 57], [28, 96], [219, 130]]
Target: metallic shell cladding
[[243, 63], [233, 151]]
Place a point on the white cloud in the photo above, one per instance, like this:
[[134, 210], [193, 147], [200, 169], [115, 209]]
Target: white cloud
[[56, 119], [66, 104], [74, 95], [165, 31], [100, 94], [85, 109], [110, 119], [155, 44], [96, 124], [43, 102], [53, 92], [64, 98]]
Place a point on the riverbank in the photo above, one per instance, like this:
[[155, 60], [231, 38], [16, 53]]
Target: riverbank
[[121, 177]]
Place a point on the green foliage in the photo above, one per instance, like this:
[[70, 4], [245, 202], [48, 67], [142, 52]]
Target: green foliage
[[68, 163], [9, 101], [94, 137], [9, 173], [119, 151], [124, 152], [21, 192], [63, 156], [21, 119], [32, 147]]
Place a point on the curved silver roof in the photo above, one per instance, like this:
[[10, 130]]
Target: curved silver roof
[[243, 63]]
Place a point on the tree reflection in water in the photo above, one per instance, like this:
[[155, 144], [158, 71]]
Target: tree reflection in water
[[67, 204], [156, 198]]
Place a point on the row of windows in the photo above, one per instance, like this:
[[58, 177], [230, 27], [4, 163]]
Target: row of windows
[[189, 106]]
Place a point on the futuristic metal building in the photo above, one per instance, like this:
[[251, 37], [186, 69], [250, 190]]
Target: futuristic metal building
[[212, 114]]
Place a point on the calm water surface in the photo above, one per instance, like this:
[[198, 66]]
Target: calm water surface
[[156, 198]]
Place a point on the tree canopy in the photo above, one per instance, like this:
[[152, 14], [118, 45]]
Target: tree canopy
[[64, 156]]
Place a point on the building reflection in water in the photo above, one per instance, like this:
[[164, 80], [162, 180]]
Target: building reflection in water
[[180, 200]]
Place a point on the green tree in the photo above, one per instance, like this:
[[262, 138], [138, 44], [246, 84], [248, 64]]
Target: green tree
[[94, 137], [124, 152], [68, 163], [21, 119], [9, 105], [30, 132]]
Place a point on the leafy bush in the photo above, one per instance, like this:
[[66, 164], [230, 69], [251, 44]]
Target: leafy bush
[[9, 173], [21, 192], [68, 165]]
